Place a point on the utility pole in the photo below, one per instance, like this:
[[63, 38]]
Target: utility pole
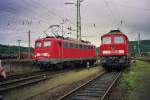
[[19, 48], [62, 28], [78, 4], [79, 19], [139, 50], [9, 49], [29, 44]]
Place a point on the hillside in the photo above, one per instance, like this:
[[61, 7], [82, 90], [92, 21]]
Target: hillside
[[144, 46]]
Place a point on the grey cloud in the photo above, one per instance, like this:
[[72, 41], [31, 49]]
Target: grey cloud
[[135, 15]]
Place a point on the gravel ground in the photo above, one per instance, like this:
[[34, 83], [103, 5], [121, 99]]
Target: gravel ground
[[55, 87], [59, 91], [134, 84], [56, 92]]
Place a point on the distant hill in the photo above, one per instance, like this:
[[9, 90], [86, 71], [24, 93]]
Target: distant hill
[[5, 49], [144, 47]]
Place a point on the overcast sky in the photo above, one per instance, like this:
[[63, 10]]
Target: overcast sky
[[17, 17]]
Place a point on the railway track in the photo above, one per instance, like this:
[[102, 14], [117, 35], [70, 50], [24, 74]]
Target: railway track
[[97, 89], [17, 76], [27, 80], [31, 78], [11, 84]]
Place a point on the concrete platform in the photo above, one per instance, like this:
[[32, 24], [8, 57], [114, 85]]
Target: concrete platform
[[19, 66]]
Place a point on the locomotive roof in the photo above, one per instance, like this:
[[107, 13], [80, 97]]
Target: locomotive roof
[[64, 39], [114, 32]]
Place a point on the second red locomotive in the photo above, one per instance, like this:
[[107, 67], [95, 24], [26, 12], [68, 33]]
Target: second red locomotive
[[114, 50], [56, 52]]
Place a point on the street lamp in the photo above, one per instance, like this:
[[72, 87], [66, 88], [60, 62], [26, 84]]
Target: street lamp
[[19, 48]]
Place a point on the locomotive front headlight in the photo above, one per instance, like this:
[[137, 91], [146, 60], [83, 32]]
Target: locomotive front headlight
[[120, 51], [45, 54], [38, 54], [106, 52]]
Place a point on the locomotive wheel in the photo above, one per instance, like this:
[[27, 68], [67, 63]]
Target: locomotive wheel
[[91, 63], [109, 69], [44, 67], [84, 64], [119, 69], [59, 66], [72, 65], [79, 65]]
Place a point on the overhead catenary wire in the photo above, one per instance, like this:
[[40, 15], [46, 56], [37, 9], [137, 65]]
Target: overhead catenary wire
[[123, 22], [51, 12], [25, 17], [134, 7], [111, 12], [13, 10]]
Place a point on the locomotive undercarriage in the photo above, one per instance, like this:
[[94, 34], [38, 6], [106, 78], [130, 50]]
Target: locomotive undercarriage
[[115, 62], [60, 64]]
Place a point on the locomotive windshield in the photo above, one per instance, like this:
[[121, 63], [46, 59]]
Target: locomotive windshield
[[37, 44], [47, 43], [118, 39], [106, 40]]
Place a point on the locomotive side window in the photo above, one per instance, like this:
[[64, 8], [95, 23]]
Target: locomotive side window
[[80, 46], [76, 45], [106, 40], [47, 43], [65, 45], [119, 39], [89, 47], [37, 44], [71, 45], [84, 46]]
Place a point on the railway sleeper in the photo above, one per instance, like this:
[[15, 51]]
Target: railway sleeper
[[83, 98], [89, 94], [86, 90], [92, 92]]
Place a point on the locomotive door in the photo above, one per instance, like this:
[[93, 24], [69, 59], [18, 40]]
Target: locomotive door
[[60, 51]]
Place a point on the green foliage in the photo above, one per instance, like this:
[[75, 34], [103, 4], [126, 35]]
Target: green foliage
[[97, 50], [144, 46], [136, 80]]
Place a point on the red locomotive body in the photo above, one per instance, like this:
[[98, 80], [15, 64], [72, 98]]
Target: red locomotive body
[[114, 50], [52, 51]]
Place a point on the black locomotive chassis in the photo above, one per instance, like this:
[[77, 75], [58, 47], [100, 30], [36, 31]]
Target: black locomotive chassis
[[65, 61]]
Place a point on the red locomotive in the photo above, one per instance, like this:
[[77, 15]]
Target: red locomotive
[[114, 50], [53, 52]]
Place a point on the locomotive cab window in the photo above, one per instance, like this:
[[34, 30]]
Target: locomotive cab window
[[106, 40], [37, 44], [47, 43], [118, 39]]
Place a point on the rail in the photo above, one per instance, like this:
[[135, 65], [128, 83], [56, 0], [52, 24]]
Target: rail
[[96, 89]]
